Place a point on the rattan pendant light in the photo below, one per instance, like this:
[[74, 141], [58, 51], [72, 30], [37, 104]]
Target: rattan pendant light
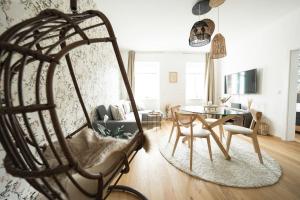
[[218, 47], [218, 44], [199, 35], [215, 3]]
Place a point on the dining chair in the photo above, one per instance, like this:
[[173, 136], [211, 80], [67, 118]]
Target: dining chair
[[185, 128], [174, 123], [173, 117], [249, 132]]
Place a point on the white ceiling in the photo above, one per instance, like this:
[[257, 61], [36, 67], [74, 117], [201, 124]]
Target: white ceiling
[[164, 25]]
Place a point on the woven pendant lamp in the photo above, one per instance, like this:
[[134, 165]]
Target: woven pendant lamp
[[211, 26], [215, 3], [199, 35], [218, 47]]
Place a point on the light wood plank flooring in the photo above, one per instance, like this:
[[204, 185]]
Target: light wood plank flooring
[[297, 137], [152, 175]]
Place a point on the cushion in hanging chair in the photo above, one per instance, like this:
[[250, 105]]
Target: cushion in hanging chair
[[110, 166], [88, 147], [96, 154]]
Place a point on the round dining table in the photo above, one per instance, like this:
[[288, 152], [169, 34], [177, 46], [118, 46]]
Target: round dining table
[[222, 114]]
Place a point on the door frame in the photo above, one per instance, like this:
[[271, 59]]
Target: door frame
[[292, 97]]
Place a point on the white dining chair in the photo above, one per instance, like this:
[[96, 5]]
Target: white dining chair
[[185, 128], [249, 132]]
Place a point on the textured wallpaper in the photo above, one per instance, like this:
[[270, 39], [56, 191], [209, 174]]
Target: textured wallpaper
[[96, 70]]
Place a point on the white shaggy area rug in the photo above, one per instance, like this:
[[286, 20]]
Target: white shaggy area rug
[[243, 170]]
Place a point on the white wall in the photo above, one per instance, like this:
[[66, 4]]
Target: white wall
[[170, 93], [269, 50]]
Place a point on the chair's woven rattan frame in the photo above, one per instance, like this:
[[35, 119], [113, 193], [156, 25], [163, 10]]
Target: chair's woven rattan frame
[[25, 40]]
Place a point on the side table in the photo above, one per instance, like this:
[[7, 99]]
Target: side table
[[154, 118]]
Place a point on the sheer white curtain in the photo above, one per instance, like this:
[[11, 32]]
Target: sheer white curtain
[[130, 70]]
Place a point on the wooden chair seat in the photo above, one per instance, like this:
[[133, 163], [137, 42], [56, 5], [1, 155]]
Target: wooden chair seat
[[198, 131], [237, 129]]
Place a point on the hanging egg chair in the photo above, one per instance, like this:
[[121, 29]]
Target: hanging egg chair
[[25, 45]]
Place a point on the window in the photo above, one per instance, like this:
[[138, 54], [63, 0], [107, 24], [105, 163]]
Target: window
[[194, 80], [147, 80]]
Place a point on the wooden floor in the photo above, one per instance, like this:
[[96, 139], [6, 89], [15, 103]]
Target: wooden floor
[[297, 137], [152, 175]]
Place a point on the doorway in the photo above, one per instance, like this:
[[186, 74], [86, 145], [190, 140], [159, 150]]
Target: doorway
[[293, 118]]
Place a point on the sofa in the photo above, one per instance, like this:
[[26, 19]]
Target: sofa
[[129, 122]]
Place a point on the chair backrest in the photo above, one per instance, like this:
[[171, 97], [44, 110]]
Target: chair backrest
[[185, 119], [256, 120], [174, 109]]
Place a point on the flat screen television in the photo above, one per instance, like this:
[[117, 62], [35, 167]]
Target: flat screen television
[[241, 83]]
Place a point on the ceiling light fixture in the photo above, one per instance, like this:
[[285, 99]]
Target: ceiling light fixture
[[202, 30], [201, 7], [216, 3], [218, 45], [199, 36]]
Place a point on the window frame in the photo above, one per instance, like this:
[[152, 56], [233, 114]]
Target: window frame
[[201, 73], [156, 72]]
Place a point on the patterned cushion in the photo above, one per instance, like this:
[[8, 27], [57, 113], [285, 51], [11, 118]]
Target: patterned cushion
[[127, 107]]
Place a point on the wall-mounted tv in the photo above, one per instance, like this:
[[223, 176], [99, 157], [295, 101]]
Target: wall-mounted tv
[[241, 83]]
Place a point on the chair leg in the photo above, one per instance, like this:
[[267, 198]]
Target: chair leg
[[171, 133], [221, 130], [228, 141], [191, 153], [255, 142], [209, 148], [175, 145], [189, 141]]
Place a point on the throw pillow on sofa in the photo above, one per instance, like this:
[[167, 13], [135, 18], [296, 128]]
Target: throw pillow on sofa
[[117, 112], [102, 111], [127, 107]]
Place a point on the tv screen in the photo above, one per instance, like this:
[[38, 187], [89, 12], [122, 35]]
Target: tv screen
[[241, 82]]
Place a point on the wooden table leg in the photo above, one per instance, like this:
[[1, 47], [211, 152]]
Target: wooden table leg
[[216, 138], [214, 135], [221, 130]]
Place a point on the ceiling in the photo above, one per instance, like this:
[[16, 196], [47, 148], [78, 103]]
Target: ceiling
[[163, 25]]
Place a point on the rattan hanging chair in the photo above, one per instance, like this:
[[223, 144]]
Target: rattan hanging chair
[[22, 45]]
